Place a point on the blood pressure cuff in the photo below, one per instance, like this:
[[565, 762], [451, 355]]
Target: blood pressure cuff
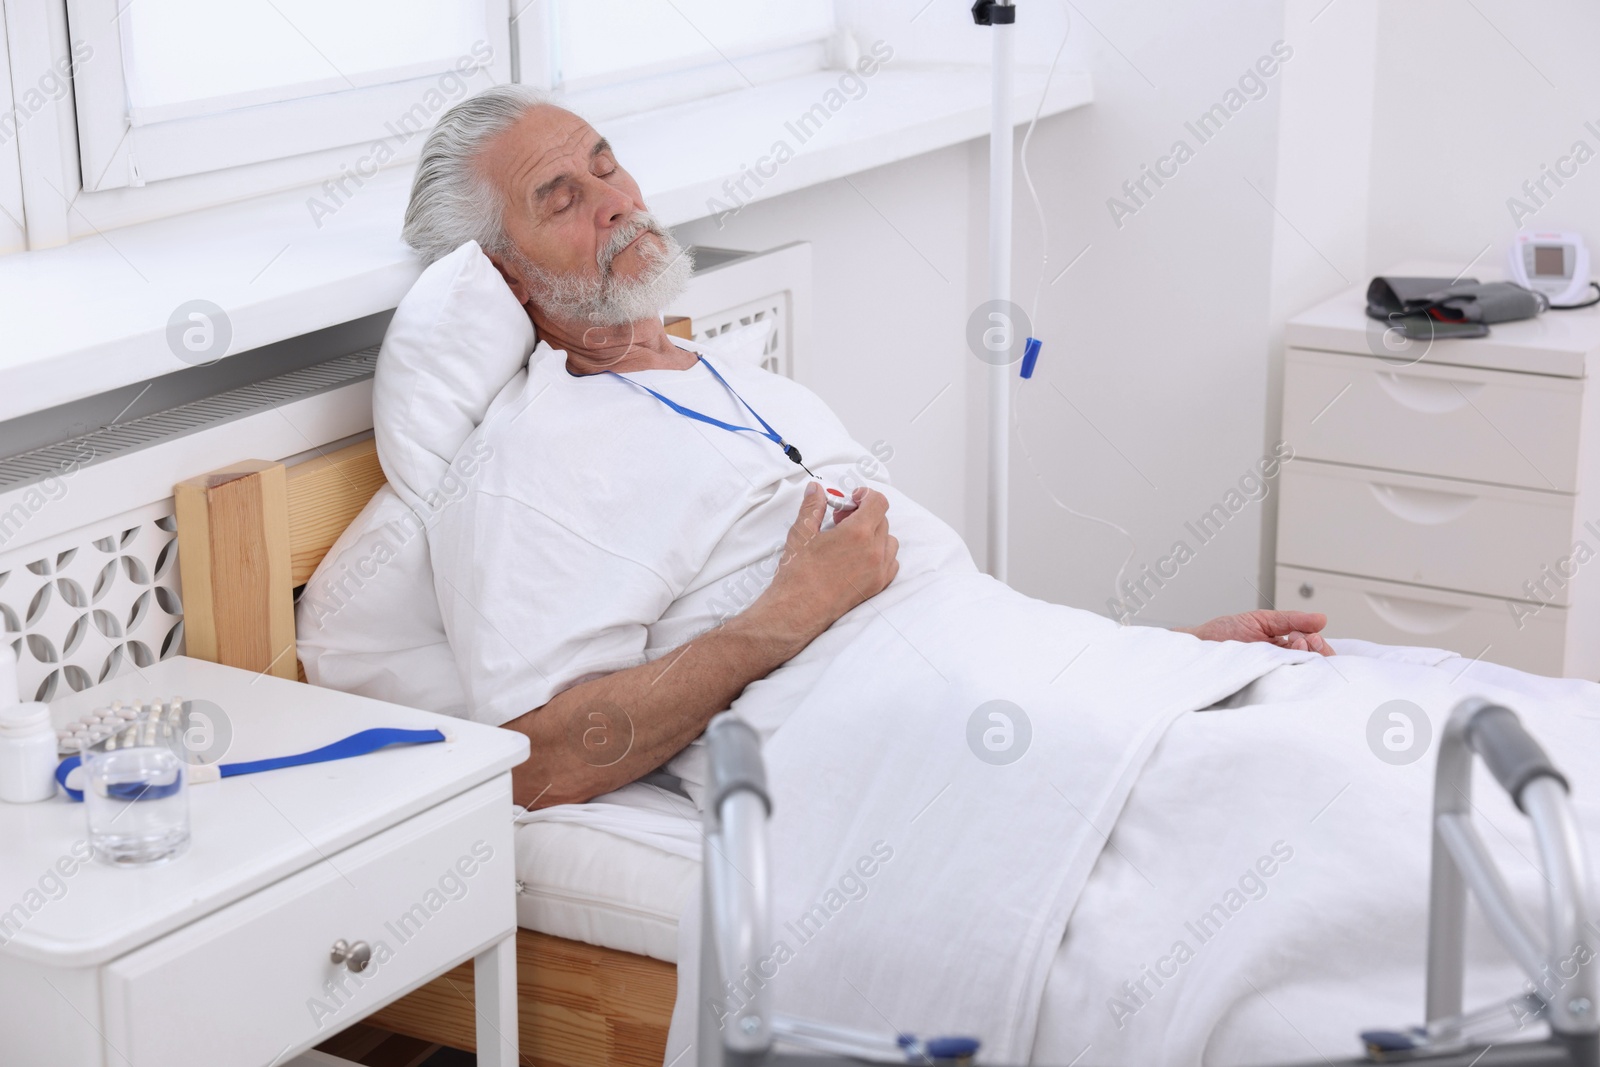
[[1447, 300]]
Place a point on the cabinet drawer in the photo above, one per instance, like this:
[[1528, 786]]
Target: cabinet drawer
[[253, 981], [1475, 626], [1458, 422], [1410, 528]]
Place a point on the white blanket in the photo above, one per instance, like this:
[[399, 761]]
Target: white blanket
[[1331, 943], [962, 924], [974, 867]]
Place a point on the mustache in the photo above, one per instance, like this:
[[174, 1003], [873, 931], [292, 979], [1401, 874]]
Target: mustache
[[624, 235]]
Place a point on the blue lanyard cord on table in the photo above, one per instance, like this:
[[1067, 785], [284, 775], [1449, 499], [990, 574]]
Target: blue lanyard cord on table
[[358, 744], [766, 428]]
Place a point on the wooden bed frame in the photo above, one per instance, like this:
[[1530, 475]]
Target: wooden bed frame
[[249, 535]]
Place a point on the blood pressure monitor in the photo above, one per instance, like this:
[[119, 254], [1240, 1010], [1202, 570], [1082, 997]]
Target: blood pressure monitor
[[1553, 263]]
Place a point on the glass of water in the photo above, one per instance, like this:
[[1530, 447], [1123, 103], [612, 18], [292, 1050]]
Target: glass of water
[[136, 799]]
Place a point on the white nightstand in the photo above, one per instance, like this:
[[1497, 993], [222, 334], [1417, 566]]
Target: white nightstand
[[1447, 494], [221, 957]]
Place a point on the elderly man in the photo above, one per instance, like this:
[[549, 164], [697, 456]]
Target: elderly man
[[640, 479]]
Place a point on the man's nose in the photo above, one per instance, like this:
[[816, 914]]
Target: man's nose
[[615, 207]]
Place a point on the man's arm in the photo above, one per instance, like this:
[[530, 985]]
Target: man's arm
[[602, 734]]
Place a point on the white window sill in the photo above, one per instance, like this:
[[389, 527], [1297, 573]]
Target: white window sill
[[92, 316]]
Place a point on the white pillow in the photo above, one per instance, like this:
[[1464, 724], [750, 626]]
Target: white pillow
[[455, 341], [368, 620], [742, 344]]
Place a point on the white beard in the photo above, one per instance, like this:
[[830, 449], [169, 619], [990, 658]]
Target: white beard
[[610, 300]]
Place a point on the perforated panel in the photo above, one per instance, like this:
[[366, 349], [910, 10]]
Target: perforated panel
[[84, 607], [776, 357]]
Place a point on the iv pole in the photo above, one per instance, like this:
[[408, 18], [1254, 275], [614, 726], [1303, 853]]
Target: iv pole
[[999, 16]]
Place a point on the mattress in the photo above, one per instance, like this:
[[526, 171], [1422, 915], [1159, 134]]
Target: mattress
[[615, 873]]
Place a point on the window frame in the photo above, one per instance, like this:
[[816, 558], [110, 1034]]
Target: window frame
[[13, 230], [116, 154]]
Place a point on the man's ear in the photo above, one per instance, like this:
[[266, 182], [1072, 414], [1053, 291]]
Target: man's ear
[[513, 279]]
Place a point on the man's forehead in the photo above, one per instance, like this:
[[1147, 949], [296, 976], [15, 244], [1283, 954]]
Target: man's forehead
[[550, 138], [567, 134]]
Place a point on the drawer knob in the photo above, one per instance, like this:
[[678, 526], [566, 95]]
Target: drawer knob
[[355, 956], [1307, 590]]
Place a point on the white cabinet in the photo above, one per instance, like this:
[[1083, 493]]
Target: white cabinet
[[223, 956], [257, 977], [1445, 494]]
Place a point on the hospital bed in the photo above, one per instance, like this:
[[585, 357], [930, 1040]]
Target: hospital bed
[[596, 981], [599, 910]]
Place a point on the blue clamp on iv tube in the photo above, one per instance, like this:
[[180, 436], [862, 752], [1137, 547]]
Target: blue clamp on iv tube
[[938, 1049], [1030, 356]]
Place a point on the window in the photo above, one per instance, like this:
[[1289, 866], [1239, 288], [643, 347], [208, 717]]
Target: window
[[599, 42], [614, 57], [139, 110], [169, 88]]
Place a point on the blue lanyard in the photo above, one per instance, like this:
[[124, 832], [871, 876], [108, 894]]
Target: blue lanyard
[[766, 431], [359, 744]]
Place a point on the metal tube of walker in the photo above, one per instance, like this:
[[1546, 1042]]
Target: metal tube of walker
[[1447, 888], [735, 1017], [1568, 983]]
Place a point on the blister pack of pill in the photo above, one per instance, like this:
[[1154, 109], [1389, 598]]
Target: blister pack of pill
[[122, 720]]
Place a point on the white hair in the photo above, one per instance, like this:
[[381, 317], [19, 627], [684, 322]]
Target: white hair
[[452, 202]]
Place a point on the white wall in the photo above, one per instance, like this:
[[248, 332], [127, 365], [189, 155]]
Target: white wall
[[890, 263], [1150, 401], [1472, 101]]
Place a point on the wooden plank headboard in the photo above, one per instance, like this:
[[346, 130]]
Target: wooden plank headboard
[[250, 534]]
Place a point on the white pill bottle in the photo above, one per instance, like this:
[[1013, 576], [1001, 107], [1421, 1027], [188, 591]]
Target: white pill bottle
[[27, 741]]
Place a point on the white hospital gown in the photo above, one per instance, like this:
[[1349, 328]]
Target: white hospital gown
[[603, 529]]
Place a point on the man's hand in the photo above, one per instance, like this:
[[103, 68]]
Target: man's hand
[[1287, 629], [824, 573]]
